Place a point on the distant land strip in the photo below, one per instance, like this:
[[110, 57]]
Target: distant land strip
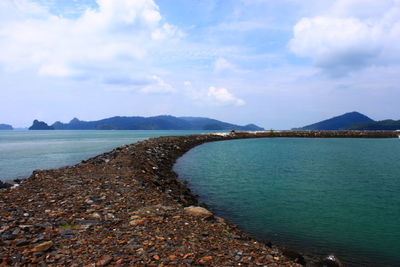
[[127, 207]]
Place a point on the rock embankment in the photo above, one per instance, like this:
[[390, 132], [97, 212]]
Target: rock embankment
[[125, 208]]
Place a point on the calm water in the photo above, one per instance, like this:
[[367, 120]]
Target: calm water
[[21, 152], [319, 196]]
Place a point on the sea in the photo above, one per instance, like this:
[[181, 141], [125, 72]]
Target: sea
[[316, 196], [21, 152]]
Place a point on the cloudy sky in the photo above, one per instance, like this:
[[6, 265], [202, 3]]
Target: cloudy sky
[[276, 63]]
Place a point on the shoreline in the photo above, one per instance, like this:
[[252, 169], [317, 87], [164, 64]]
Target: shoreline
[[127, 207]]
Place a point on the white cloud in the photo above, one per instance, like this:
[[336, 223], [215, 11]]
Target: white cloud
[[57, 46], [222, 96], [212, 96], [157, 86], [354, 35], [221, 65]]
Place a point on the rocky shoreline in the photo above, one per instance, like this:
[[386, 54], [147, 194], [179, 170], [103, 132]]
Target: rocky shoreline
[[127, 208]]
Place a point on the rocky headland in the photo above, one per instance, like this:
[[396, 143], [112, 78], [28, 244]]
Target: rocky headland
[[127, 208], [40, 125]]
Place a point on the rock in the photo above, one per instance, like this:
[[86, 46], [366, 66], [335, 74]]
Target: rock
[[330, 261], [205, 259], [220, 220], [294, 255], [22, 242], [67, 233], [8, 237], [5, 185], [172, 257], [42, 247], [197, 211], [106, 260], [96, 215], [110, 216], [136, 222]]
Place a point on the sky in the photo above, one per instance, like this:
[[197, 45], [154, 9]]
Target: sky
[[276, 63]]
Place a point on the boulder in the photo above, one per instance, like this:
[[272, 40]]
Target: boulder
[[197, 211], [5, 185]]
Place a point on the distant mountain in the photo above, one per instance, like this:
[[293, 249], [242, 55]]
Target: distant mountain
[[40, 125], [152, 123], [341, 122], [390, 125], [6, 127]]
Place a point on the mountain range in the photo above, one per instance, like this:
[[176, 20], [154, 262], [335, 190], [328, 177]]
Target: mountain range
[[163, 122], [348, 121], [351, 121]]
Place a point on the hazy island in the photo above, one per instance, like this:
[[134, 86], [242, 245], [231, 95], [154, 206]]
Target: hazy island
[[5, 127]]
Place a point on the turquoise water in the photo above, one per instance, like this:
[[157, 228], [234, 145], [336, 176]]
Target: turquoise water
[[21, 152], [319, 196]]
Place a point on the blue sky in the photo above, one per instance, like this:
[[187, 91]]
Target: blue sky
[[279, 64]]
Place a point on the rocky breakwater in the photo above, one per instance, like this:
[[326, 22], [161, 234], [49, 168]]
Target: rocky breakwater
[[126, 208], [122, 208]]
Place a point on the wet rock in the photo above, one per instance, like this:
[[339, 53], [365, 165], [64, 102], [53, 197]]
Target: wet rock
[[197, 211], [294, 255], [5, 185], [330, 261]]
